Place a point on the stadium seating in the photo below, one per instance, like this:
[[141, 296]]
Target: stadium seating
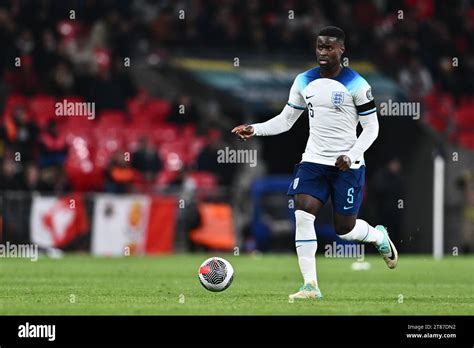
[[42, 108], [206, 182], [444, 117], [111, 118], [145, 111], [13, 100], [165, 177], [92, 142]]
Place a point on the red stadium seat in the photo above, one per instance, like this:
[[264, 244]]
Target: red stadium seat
[[141, 185], [83, 122], [102, 158], [165, 177], [43, 109], [154, 112], [13, 100], [466, 139], [79, 118], [439, 110], [467, 101], [111, 118], [195, 147], [436, 121], [207, 184], [82, 173], [131, 137], [174, 154], [81, 137], [164, 133], [214, 134], [465, 118], [188, 131], [204, 180], [107, 142], [136, 105]]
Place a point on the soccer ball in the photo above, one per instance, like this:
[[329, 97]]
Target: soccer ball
[[216, 274]]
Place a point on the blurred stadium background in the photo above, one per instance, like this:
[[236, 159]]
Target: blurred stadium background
[[170, 79]]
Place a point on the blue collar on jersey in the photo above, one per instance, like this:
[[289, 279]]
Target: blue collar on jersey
[[347, 77]]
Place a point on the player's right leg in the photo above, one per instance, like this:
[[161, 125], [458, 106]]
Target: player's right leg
[[306, 245], [311, 192]]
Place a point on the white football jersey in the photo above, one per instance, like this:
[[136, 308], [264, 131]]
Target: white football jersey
[[334, 107]]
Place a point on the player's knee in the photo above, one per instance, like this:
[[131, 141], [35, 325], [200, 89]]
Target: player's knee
[[305, 205], [306, 209], [344, 227]]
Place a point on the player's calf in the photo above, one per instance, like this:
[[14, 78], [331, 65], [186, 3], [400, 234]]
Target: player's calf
[[344, 226], [306, 245]]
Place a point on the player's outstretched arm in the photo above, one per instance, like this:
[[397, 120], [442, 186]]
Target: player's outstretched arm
[[276, 125]]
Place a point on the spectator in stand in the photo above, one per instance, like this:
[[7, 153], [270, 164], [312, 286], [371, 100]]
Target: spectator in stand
[[416, 79], [47, 173], [111, 87], [188, 219], [119, 175], [45, 54], [466, 184], [46, 180], [10, 176], [22, 78], [31, 180], [52, 180], [207, 161], [77, 55], [21, 134], [436, 29], [389, 189], [52, 145], [62, 81], [146, 160], [184, 111], [3, 141]]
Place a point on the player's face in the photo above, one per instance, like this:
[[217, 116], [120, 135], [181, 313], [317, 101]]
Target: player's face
[[328, 51]]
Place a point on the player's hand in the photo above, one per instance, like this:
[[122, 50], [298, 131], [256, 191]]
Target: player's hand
[[343, 163], [243, 131]]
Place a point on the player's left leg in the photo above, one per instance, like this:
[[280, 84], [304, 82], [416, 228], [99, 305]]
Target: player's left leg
[[346, 195]]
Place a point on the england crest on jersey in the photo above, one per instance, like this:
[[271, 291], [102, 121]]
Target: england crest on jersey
[[337, 99]]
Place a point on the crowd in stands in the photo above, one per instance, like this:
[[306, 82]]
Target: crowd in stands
[[68, 50], [389, 33], [147, 146], [132, 142], [425, 45]]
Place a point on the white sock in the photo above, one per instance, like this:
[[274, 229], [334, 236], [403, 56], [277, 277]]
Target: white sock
[[363, 232], [306, 245]]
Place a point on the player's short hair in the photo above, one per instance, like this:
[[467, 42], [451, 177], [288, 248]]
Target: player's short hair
[[333, 32]]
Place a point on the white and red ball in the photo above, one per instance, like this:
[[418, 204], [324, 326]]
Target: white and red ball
[[216, 274]]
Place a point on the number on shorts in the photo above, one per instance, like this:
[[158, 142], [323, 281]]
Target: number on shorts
[[350, 195]]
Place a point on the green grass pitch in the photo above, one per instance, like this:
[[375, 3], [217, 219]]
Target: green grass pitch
[[84, 285]]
